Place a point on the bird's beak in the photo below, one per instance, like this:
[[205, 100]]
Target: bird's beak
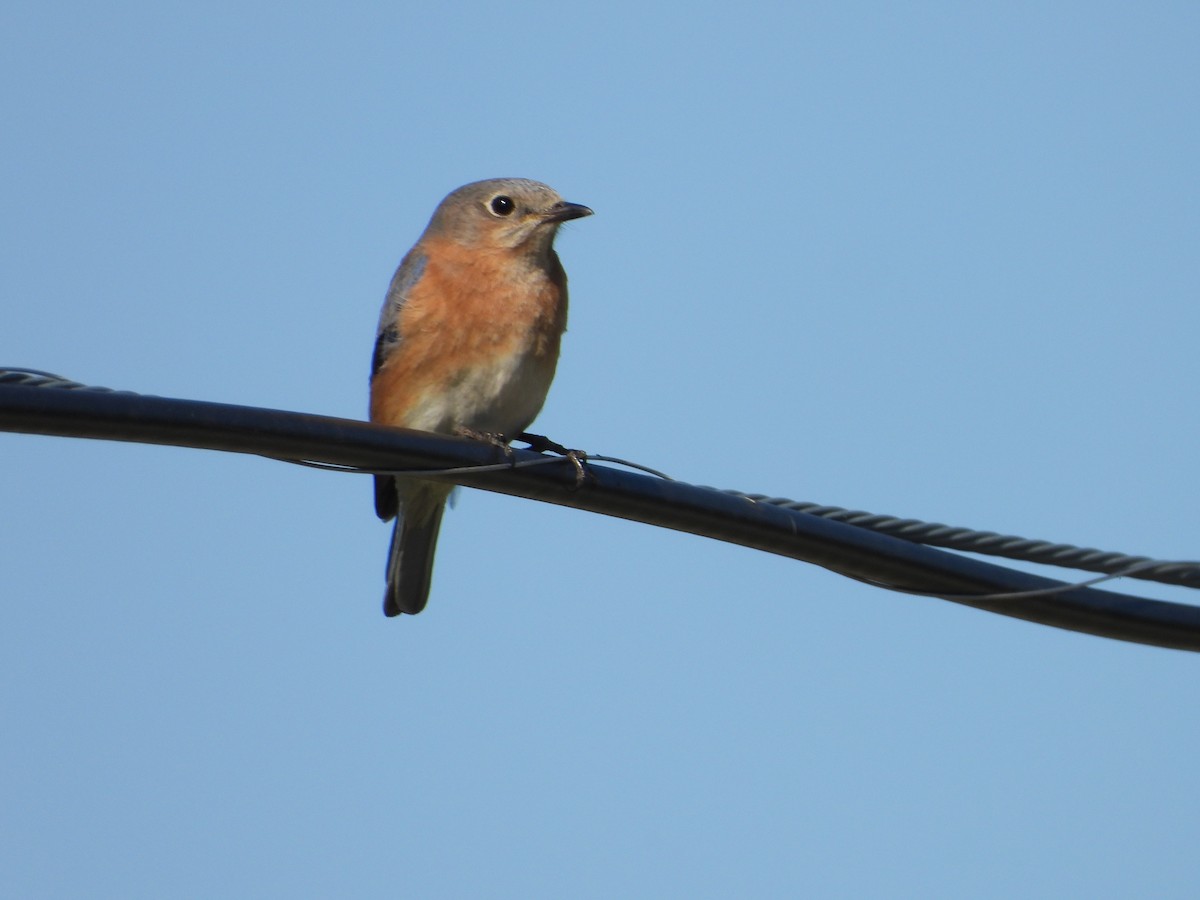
[[564, 211]]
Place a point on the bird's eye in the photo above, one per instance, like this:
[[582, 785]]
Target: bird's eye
[[502, 206]]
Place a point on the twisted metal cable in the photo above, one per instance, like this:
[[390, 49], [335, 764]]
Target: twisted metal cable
[[38, 378], [951, 537]]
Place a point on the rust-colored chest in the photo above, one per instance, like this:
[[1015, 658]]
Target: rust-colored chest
[[471, 312]]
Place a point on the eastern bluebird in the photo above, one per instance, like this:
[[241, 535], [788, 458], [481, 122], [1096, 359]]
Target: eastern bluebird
[[467, 344]]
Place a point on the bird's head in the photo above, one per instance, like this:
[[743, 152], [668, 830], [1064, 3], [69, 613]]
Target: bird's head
[[513, 214]]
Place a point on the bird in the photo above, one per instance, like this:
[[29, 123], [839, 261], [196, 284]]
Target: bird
[[467, 344]]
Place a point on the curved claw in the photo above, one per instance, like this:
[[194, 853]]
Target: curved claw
[[578, 459], [539, 443]]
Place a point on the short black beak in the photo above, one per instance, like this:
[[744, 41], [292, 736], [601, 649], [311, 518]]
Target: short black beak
[[564, 211]]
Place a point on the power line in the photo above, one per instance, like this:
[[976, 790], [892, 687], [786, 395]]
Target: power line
[[775, 526], [954, 537]]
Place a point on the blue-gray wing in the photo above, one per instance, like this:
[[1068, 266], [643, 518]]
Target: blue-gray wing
[[387, 339], [387, 336]]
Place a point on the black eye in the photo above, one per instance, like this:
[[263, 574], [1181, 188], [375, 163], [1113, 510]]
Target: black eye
[[503, 206]]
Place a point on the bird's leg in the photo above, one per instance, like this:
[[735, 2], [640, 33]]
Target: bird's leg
[[539, 443]]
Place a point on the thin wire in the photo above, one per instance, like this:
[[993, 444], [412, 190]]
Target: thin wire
[[423, 473], [463, 470], [632, 465], [1009, 595]]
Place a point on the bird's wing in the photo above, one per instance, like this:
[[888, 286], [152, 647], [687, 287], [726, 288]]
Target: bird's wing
[[387, 336], [387, 339]]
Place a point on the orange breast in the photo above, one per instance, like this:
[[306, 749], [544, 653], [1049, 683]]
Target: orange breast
[[470, 311]]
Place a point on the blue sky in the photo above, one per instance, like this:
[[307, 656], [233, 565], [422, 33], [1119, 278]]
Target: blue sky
[[936, 260]]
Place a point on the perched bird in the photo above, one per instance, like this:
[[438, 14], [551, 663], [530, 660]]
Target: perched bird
[[467, 344]]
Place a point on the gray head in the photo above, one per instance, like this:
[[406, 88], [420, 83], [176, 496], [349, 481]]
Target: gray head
[[503, 213]]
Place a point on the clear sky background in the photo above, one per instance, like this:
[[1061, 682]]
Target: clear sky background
[[937, 260]]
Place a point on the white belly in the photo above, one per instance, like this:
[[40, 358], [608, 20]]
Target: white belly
[[503, 398]]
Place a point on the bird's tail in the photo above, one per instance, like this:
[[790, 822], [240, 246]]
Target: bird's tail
[[414, 540]]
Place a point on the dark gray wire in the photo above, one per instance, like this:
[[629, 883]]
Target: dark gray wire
[[1183, 573]]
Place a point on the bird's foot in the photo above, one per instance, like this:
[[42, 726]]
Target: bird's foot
[[497, 440], [539, 443]]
